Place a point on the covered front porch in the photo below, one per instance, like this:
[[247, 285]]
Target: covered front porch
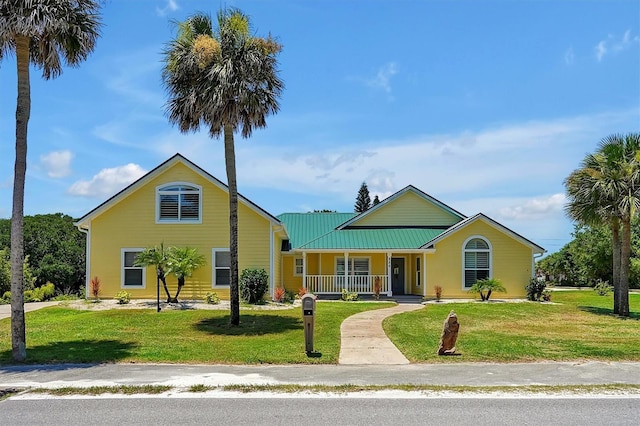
[[366, 273]]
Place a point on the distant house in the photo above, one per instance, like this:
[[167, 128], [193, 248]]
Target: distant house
[[407, 244]]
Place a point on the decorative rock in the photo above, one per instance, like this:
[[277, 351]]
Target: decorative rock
[[449, 335]]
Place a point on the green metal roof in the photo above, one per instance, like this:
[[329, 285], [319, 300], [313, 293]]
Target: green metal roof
[[305, 227], [318, 231]]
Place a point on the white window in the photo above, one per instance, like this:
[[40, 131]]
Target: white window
[[298, 266], [357, 266], [132, 276], [418, 276], [178, 202], [477, 261], [221, 267]]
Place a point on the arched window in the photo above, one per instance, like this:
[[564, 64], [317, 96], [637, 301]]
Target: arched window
[[477, 261], [178, 202]]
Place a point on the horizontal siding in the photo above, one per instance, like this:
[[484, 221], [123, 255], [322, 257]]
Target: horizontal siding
[[511, 262], [408, 210], [131, 224]]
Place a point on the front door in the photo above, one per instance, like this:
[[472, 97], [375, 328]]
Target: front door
[[397, 275]]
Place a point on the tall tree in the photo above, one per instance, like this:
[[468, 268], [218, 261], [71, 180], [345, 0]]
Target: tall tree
[[44, 33], [225, 79], [363, 200], [606, 189]]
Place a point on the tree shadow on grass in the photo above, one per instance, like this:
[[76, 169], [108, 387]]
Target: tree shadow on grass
[[609, 312], [250, 325], [75, 351]]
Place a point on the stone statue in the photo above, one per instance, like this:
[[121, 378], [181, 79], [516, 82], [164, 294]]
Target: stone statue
[[449, 335]]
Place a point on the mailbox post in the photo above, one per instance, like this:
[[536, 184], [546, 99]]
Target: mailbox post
[[308, 316]]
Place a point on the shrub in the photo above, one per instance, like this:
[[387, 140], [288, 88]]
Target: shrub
[[289, 296], [279, 294], [602, 288], [438, 291], [6, 298], [349, 296], [123, 297], [486, 286], [212, 298], [40, 294], [301, 292], [546, 296], [534, 289], [253, 285], [95, 287]]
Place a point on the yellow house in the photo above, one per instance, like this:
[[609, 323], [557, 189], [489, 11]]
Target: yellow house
[[177, 204], [408, 244]]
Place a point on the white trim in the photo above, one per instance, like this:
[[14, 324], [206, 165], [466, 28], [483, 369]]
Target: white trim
[[144, 270], [87, 259], [424, 275], [213, 266], [418, 271], [180, 221], [490, 251]]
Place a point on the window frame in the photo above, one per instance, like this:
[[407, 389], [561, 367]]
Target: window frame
[[465, 250], [160, 190], [418, 271], [124, 268], [351, 260], [296, 266], [215, 267]]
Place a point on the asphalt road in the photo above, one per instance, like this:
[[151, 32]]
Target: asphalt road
[[321, 411]]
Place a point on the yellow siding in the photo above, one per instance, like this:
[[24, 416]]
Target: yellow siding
[[408, 210], [131, 223], [289, 281], [511, 262]]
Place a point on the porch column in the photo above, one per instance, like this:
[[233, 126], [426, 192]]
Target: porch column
[[304, 269], [424, 274], [345, 283], [389, 291]]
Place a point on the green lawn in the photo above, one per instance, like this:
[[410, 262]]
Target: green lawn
[[60, 334], [580, 326]]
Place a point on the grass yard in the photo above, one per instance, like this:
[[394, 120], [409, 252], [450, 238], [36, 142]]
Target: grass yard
[[62, 334], [579, 326]]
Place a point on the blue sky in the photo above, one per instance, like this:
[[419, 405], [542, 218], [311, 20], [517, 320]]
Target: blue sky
[[484, 105]]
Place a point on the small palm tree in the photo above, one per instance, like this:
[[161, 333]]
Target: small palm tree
[[487, 286], [225, 79], [44, 33], [157, 257], [182, 262]]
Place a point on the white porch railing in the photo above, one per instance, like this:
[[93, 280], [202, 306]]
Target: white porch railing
[[333, 284]]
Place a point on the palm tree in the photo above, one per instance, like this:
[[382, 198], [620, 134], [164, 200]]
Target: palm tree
[[157, 257], [44, 33], [181, 262], [606, 189], [486, 286], [227, 80]]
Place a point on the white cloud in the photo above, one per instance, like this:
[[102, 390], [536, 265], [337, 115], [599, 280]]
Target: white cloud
[[535, 208], [108, 181], [614, 44], [57, 164], [171, 6], [569, 56], [382, 79]]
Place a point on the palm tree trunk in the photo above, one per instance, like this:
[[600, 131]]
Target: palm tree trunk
[[616, 246], [161, 277], [180, 285], [625, 259], [23, 111], [230, 161]]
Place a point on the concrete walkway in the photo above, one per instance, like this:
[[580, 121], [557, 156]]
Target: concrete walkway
[[364, 342], [5, 310]]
